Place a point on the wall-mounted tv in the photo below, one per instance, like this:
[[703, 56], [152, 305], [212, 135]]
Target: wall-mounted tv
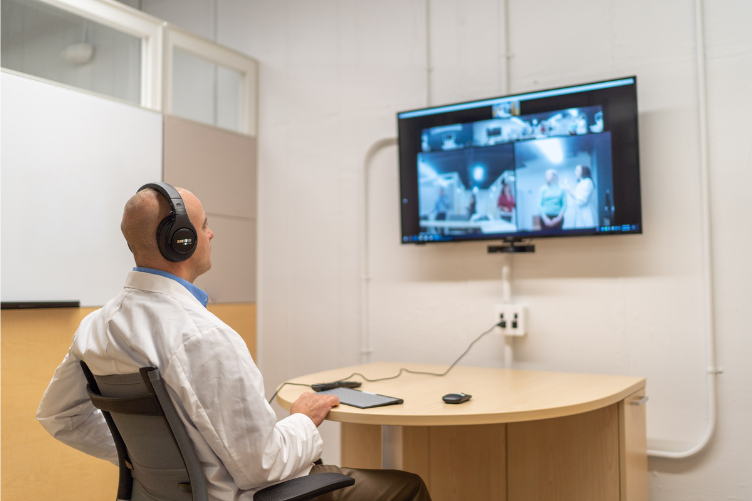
[[548, 163]]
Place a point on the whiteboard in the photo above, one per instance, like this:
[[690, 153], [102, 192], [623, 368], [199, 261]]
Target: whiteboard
[[69, 162]]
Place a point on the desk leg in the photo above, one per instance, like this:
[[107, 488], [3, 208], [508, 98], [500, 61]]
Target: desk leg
[[633, 454], [458, 462], [391, 447], [360, 446]]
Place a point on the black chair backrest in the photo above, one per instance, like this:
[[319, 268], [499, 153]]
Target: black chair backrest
[[157, 458]]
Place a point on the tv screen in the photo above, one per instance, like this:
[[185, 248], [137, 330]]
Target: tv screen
[[548, 163]]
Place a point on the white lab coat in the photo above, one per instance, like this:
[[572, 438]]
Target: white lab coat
[[584, 212], [216, 387]]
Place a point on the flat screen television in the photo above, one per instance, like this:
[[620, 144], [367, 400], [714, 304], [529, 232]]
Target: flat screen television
[[555, 162]]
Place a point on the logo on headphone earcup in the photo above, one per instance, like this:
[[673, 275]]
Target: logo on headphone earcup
[[178, 245]]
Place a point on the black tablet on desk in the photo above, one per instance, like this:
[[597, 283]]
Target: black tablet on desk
[[361, 399]]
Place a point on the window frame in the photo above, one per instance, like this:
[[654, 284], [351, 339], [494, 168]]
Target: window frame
[[177, 38], [132, 22]]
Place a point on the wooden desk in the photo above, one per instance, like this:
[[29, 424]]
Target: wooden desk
[[524, 436]]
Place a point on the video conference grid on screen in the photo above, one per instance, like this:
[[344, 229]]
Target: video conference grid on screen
[[514, 173]]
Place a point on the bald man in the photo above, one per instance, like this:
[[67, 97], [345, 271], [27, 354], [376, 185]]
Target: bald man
[[160, 319], [143, 212]]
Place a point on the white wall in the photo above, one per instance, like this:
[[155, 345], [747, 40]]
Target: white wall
[[332, 76]]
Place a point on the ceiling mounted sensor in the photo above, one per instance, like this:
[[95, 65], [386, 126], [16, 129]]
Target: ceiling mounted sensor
[[78, 53]]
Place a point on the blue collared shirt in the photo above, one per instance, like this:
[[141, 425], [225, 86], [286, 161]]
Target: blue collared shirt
[[202, 296]]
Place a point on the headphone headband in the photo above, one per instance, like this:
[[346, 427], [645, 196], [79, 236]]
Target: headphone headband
[[176, 236], [171, 194]]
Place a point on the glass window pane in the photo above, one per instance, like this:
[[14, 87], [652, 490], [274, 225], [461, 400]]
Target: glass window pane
[[42, 40], [192, 87], [205, 91], [228, 98]]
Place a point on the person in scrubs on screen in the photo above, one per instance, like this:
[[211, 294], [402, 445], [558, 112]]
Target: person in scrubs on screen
[[553, 202]]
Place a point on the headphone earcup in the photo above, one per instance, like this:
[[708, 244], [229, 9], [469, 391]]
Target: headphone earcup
[[183, 234], [177, 238], [163, 234]]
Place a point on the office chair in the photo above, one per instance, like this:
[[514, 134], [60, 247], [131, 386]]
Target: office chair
[[156, 456]]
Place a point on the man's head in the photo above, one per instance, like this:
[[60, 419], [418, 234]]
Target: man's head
[[141, 217]]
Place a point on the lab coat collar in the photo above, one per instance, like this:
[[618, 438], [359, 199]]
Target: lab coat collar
[[162, 285], [199, 294]]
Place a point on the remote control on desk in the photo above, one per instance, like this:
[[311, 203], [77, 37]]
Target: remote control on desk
[[336, 384]]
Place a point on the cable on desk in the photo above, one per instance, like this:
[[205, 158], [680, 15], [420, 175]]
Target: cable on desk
[[283, 385], [401, 371]]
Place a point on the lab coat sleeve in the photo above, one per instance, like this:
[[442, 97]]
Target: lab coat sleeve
[[67, 413], [221, 389], [583, 191]]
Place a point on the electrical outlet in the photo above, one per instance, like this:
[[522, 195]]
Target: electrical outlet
[[518, 325], [513, 318], [500, 317]]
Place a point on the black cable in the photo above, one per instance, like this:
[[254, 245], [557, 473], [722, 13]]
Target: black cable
[[402, 370], [283, 385]]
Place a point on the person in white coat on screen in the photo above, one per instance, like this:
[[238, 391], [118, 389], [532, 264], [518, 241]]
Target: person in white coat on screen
[[160, 319], [583, 196]]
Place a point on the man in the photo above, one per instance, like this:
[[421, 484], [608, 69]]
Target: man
[[160, 319]]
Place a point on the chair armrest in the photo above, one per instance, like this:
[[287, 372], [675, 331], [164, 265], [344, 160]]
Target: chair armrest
[[304, 488]]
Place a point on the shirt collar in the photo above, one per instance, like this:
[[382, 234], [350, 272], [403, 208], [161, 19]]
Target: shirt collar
[[200, 295]]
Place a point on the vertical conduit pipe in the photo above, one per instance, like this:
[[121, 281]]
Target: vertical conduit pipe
[[506, 270], [429, 69], [707, 249], [365, 262], [505, 54], [506, 298]]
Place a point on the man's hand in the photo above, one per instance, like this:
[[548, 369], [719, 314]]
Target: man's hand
[[314, 406]]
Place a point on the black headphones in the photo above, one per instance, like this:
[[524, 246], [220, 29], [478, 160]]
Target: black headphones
[[176, 235]]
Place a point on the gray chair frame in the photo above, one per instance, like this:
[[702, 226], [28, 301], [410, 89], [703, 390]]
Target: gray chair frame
[[147, 419]]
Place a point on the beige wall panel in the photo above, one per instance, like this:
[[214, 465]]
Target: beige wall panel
[[467, 462], [242, 318], [35, 465], [574, 458], [219, 166], [232, 278], [360, 446]]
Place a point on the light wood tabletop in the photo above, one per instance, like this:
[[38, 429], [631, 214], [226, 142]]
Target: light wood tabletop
[[499, 395]]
